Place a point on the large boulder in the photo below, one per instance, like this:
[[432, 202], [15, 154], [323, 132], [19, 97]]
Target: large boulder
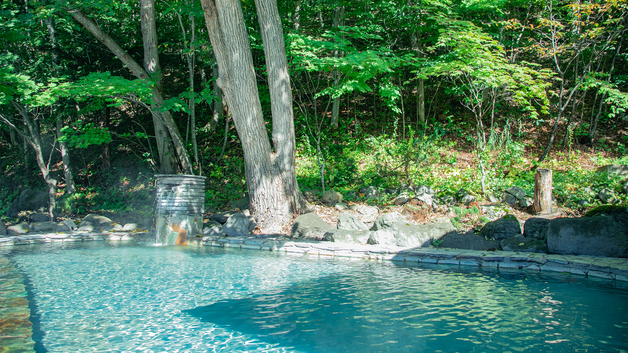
[[503, 228], [387, 220], [212, 228], [39, 217], [602, 234], [46, 227], [17, 229], [310, 226], [536, 228], [29, 200], [3, 230], [517, 192], [466, 241], [331, 197], [370, 192], [522, 244], [239, 225], [347, 221], [393, 230], [97, 223], [367, 213], [348, 236], [222, 217]]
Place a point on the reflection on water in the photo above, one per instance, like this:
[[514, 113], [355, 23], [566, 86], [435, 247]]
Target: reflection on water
[[127, 298]]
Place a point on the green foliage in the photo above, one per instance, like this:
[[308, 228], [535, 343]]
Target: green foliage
[[83, 135]]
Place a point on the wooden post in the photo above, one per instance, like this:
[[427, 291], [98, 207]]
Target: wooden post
[[543, 191]]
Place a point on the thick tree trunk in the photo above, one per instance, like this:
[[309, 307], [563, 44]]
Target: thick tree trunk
[[164, 123], [273, 191]]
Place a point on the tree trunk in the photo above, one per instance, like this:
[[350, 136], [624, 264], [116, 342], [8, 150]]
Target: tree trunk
[[543, 191], [65, 157], [167, 161], [339, 14], [65, 154], [164, 123], [34, 140], [271, 180]]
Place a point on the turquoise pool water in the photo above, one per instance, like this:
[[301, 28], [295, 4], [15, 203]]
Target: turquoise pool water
[[95, 297]]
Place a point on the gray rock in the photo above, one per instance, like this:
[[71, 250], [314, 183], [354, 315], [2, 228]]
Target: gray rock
[[390, 191], [466, 241], [241, 204], [509, 199], [600, 235], [39, 217], [97, 223], [341, 206], [447, 200], [526, 202], [3, 230], [17, 229], [222, 217], [239, 225], [347, 236], [606, 196], [493, 199], [427, 199], [404, 234], [519, 243], [467, 199], [536, 228], [461, 194], [369, 213], [503, 228], [423, 190], [44, 227], [331, 197], [516, 192], [370, 192], [34, 200], [311, 195], [620, 169], [387, 220], [130, 227], [348, 222], [213, 228], [310, 226], [401, 199], [494, 212], [70, 224]]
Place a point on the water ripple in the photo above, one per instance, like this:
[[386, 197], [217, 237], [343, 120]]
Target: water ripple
[[95, 298]]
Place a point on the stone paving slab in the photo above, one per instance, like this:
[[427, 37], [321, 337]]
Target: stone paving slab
[[610, 268]]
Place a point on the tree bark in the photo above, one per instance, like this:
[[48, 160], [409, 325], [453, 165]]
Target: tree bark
[[34, 140], [163, 121], [270, 176], [65, 152], [543, 191], [339, 14]]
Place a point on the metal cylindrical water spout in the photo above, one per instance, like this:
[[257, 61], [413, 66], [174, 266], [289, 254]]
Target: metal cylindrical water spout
[[179, 207]]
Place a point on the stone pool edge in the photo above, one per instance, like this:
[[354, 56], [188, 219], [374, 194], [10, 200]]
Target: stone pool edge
[[591, 266]]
